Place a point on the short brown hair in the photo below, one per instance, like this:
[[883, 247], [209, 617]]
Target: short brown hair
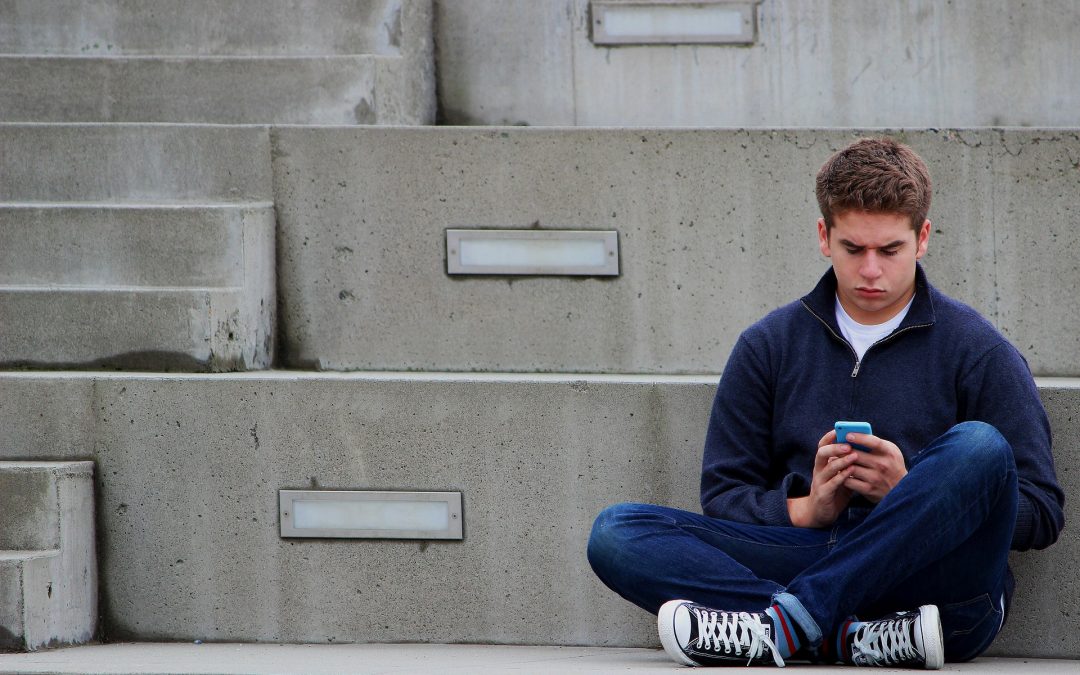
[[878, 175]]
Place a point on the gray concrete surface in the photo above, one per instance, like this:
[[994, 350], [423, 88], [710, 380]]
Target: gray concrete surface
[[237, 659], [148, 328], [716, 227], [921, 63], [297, 90], [201, 27], [108, 246], [48, 559], [135, 274], [236, 62], [144, 164], [189, 467]]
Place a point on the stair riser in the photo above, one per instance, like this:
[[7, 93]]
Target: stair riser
[[202, 27], [190, 468], [716, 228]]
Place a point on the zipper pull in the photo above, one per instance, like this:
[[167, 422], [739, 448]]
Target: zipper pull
[[855, 372]]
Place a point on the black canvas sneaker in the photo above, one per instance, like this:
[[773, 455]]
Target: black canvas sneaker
[[695, 635], [906, 639]]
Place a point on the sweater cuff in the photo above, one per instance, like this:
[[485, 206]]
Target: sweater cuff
[[1025, 519], [775, 506]]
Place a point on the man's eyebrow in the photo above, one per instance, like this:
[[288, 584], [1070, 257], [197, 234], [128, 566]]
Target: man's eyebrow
[[892, 244]]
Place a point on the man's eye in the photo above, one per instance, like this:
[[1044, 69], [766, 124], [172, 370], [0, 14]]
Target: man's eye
[[852, 251], [889, 251]]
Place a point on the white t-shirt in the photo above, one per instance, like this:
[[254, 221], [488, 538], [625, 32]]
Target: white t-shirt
[[862, 336]]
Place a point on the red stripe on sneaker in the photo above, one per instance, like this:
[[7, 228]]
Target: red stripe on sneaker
[[787, 631]]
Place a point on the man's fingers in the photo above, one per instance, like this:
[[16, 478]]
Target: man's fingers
[[826, 453], [855, 484], [869, 441], [828, 439], [836, 473], [829, 455]]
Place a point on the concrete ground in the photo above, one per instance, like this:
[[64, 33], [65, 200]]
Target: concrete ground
[[383, 658]]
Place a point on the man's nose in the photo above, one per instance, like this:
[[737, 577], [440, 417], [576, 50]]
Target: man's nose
[[871, 266]]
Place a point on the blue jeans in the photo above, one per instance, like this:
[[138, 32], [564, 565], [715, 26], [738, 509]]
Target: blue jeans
[[941, 537]]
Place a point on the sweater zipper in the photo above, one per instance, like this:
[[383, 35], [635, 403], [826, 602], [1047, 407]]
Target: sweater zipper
[[858, 362]]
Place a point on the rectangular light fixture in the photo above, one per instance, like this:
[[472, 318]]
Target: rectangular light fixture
[[533, 252], [672, 22], [370, 514]]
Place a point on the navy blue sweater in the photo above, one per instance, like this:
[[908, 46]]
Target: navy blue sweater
[[792, 375]]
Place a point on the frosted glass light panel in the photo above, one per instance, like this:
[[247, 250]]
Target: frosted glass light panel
[[370, 514], [533, 252], [673, 22]]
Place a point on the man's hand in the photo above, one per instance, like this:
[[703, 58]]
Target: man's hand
[[829, 495], [878, 471]]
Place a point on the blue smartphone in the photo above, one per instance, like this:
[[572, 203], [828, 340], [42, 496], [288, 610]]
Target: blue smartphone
[[844, 428]]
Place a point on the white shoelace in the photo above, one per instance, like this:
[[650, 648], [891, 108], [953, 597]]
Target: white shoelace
[[883, 643], [735, 632]]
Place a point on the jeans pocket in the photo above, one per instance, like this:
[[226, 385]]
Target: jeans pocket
[[970, 626]]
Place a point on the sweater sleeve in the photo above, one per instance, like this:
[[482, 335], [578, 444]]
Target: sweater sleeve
[[1000, 391], [737, 478]]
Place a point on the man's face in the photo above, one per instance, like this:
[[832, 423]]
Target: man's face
[[873, 255]]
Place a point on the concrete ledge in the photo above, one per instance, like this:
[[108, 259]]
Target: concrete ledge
[[716, 227], [48, 597], [201, 27], [181, 329], [299, 90], [102, 245], [229, 62], [134, 164], [150, 288], [189, 467]]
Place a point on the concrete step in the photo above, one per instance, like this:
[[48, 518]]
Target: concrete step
[[716, 227], [137, 287], [203, 27], [210, 90], [231, 62], [363, 213], [134, 164], [48, 564], [407, 659], [102, 245], [190, 466]]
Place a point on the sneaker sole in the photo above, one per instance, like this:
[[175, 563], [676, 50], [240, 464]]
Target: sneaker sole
[[933, 643], [665, 625]]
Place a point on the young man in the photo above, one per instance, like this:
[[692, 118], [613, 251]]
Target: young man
[[800, 535]]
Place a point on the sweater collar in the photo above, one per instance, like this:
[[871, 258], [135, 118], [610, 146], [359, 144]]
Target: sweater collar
[[822, 301]]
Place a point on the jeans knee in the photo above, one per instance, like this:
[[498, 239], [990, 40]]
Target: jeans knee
[[978, 450], [607, 534], [983, 443]]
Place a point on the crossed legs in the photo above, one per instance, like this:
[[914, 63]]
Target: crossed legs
[[941, 536]]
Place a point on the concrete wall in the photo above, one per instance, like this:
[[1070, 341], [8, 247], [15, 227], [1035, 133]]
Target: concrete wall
[[189, 468], [917, 63], [716, 227]]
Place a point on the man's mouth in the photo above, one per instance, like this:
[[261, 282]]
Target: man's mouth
[[870, 292]]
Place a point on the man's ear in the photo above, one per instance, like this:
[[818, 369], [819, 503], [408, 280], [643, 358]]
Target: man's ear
[[922, 240], [823, 238]]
